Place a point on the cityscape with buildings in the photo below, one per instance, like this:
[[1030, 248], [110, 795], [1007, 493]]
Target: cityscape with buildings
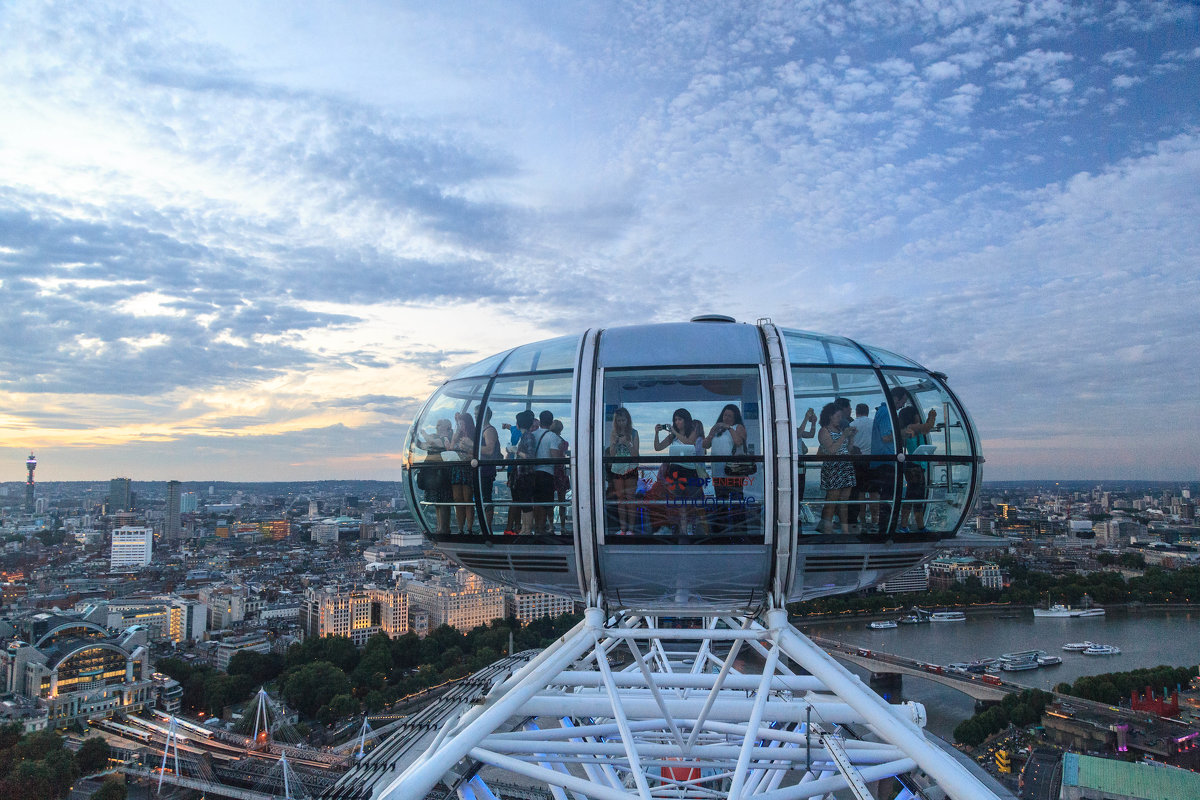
[[102, 581], [594, 401]]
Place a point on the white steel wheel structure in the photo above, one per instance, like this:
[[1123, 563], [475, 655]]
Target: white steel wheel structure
[[704, 475]]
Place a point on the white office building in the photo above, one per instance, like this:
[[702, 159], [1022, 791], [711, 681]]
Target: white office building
[[131, 546]]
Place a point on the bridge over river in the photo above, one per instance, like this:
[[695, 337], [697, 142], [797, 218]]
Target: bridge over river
[[886, 663]]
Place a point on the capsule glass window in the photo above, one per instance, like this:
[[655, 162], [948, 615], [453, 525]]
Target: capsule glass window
[[441, 445], [837, 411], [551, 354], [934, 436], [525, 480], [682, 455], [810, 348]]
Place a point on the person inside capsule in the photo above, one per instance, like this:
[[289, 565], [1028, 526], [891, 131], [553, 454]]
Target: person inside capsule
[[837, 477], [435, 481], [683, 483], [727, 437], [623, 442]]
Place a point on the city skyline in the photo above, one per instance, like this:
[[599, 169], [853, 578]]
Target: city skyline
[[247, 241]]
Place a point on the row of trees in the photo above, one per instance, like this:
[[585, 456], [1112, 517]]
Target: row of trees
[[207, 690], [1020, 709], [326, 678], [1114, 687], [1130, 560], [37, 765], [1028, 588]]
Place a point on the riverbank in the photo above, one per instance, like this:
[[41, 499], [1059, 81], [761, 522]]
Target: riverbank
[[980, 610], [1147, 635]]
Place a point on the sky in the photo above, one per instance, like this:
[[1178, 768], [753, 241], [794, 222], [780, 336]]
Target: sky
[[245, 240]]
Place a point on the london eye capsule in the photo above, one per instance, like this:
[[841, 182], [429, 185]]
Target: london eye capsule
[[692, 468]]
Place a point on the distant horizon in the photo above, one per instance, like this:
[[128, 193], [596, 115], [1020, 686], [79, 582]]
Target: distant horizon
[[215, 482]]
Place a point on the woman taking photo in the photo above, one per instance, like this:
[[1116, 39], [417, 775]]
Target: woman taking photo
[[685, 437], [623, 442]]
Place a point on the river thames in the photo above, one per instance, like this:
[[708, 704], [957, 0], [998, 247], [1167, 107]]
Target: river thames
[[1146, 639]]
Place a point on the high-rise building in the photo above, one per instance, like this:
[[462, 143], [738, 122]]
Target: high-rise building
[[173, 529], [188, 503], [463, 607], [945, 572], [356, 612], [131, 546], [120, 495], [914, 580], [30, 465], [528, 606]]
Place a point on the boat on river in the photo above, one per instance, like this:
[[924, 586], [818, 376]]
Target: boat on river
[[882, 625], [1077, 647], [1056, 610], [1049, 661], [1102, 650], [1019, 665], [1021, 655], [1059, 610], [948, 616]]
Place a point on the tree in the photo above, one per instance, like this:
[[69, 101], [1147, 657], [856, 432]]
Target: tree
[[343, 706], [28, 779], [60, 765], [113, 788], [375, 701], [258, 667], [311, 686], [225, 690], [970, 733], [10, 734], [36, 746], [93, 755]]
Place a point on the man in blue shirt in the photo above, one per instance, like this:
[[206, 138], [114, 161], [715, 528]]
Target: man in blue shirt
[[883, 473]]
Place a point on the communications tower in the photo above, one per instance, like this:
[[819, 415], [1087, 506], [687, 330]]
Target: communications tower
[[30, 465]]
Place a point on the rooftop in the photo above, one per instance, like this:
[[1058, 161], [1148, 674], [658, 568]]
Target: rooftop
[[1149, 781]]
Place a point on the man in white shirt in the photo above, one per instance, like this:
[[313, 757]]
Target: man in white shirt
[[549, 445]]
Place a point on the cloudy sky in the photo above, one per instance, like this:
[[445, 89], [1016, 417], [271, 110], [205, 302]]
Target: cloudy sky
[[244, 240]]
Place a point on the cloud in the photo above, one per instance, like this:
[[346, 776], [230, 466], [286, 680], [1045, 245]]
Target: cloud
[[242, 223]]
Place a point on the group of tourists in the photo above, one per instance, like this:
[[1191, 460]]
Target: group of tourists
[[855, 490], [858, 491]]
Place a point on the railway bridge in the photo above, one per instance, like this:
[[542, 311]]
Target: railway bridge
[[975, 686]]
